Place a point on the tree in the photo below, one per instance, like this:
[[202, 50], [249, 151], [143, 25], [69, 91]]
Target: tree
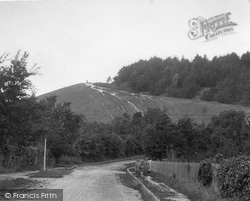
[[109, 79], [14, 82], [230, 132], [114, 146], [90, 148], [158, 133], [60, 125], [245, 58], [223, 96], [121, 125], [16, 101], [188, 138]]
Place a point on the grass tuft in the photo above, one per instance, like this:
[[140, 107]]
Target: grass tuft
[[53, 173]]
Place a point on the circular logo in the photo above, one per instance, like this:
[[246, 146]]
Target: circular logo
[[7, 195]]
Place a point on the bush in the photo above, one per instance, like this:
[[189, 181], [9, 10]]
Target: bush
[[218, 158], [233, 178], [67, 160], [205, 172]]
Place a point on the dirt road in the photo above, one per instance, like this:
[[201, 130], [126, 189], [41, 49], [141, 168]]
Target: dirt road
[[98, 183], [95, 183]]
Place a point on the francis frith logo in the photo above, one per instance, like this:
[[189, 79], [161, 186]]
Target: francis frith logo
[[210, 28]]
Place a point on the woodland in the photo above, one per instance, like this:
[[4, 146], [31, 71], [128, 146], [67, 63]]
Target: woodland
[[223, 79]]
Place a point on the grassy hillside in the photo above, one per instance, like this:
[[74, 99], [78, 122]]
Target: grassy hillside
[[103, 104]]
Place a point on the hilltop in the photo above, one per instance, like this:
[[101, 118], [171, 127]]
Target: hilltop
[[104, 104]]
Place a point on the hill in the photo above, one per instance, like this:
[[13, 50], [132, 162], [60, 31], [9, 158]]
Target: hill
[[104, 104]]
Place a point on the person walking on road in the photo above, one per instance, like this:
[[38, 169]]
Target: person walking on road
[[137, 168], [149, 161], [145, 168]]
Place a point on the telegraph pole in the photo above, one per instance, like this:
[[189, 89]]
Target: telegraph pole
[[44, 156]]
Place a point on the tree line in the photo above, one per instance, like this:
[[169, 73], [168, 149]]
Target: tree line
[[25, 121], [223, 79]]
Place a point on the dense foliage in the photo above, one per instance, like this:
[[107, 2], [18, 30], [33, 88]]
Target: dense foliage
[[26, 121], [224, 79], [157, 136], [205, 173], [234, 178], [230, 133]]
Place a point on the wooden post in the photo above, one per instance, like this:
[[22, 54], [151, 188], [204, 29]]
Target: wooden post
[[44, 156]]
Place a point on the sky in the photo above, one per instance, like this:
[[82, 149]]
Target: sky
[[76, 41]]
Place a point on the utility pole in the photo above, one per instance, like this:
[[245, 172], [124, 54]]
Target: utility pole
[[44, 156]]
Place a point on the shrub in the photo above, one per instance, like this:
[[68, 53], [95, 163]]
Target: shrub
[[69, 160], [205, 172], [218, 158], [233, 178]]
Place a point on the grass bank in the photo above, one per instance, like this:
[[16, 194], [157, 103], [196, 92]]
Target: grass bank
[[52, 173], [26, 183], [17, 183], [183, 177], [13, 170], [192, 191], [128, 180]]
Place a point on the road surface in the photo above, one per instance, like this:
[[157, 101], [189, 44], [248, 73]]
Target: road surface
[[95, 183]]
